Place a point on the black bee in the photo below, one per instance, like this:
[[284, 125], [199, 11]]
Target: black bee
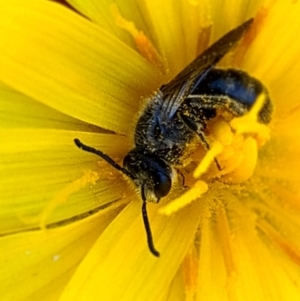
[[179, 112]]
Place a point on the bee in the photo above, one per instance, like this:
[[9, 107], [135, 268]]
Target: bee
[[178, 112]]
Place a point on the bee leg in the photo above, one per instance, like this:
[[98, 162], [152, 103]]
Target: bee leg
[[182, 178], [201, 135], [197, 125]]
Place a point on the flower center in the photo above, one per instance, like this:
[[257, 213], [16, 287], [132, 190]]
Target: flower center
[[232, 157], [235, 147], [235, 153]]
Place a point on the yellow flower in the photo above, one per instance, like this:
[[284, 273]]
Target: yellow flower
[[71, 226]]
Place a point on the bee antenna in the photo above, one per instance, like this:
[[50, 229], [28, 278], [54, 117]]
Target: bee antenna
[[148, 230], [108, 159], [114, 164]]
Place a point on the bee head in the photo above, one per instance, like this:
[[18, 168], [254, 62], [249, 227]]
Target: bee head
[[152, 175]]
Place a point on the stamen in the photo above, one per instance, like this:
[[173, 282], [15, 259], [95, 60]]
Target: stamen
[[186, 198], [189, 268], [291, 250], [246, 43], [249, 124], [203, 38], [215, 149], [225, 238], [143, 44], [89, 178], [244, 168]]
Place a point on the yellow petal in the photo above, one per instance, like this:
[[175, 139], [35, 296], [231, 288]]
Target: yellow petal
[[279, 65], [69, 64], [41, 263], [211, 266], [120, 258], [174, 27], [273, 274], [229, 14], [235, 255], [20, 111], [40, 168], [100, 12], [176, 291]]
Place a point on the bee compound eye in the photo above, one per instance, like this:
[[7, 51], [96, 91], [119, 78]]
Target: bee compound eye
[[162, 185]]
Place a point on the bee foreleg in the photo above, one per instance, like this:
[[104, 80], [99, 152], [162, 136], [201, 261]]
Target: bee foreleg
[[194, 118]]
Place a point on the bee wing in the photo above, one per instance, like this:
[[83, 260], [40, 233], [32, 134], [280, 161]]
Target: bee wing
[[178, 89]]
